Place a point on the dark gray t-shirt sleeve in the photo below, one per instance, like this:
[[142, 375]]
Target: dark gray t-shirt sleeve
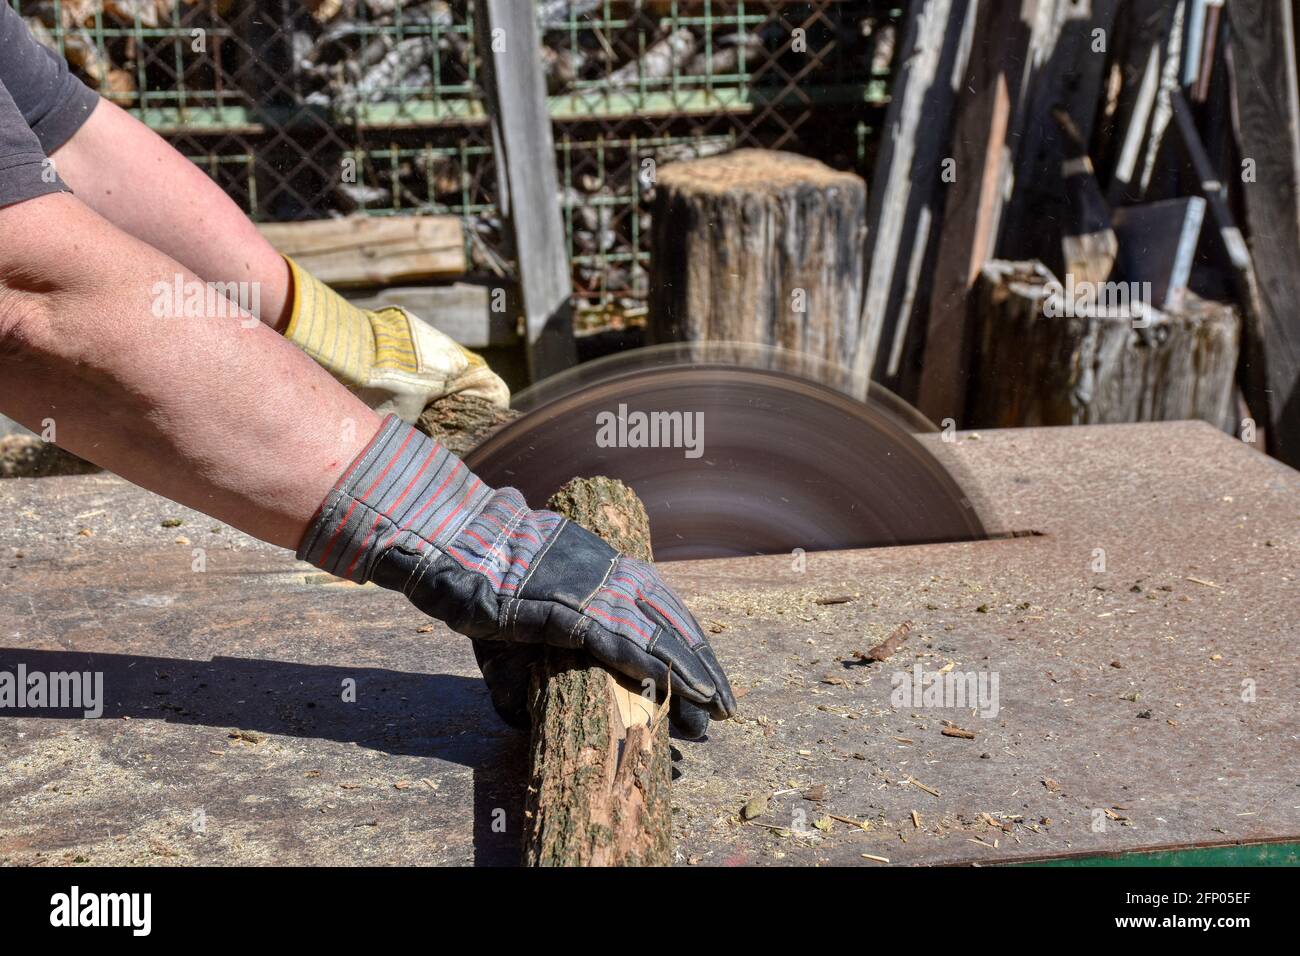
[[25, 173], [52, 101]]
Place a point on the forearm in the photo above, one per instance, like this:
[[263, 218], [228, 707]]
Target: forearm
[[133, 178], [217, 413]]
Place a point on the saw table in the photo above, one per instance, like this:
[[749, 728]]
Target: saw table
[[1138, 612]]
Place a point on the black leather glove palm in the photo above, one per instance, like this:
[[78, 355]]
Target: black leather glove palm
[[411, 517]]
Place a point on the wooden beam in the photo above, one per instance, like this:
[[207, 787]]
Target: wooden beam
[[904, 202], [372, 250], [981, 145], [509, 45], [1264, 76]]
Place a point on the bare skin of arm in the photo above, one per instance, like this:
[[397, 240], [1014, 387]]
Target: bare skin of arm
[[218, 413], [131, 176]]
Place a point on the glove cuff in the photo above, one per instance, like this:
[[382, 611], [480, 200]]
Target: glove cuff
[[330, 329], [404, 490]]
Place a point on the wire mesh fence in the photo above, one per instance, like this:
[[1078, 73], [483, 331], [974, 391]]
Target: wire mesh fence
[[303, 109]]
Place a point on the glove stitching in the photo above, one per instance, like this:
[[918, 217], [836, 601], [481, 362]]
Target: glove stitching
[[573, 630], [537, 561], [654, 638], [425, 556], [504, 539], [503, 617], [581, 636], [613, 562]]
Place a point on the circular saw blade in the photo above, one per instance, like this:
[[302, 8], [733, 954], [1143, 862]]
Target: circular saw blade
[[751, 460]]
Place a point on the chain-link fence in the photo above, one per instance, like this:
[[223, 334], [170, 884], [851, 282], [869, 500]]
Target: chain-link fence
[[302, 109]]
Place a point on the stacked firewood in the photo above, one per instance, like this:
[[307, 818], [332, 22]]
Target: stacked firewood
[[109, 64]]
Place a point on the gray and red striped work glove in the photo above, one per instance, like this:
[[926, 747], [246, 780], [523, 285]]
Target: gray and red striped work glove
[[408, 515]]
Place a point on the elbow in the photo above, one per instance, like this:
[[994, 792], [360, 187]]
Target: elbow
[[25, 318]]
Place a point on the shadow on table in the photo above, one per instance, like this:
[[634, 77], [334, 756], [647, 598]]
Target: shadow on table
[[441, 716]]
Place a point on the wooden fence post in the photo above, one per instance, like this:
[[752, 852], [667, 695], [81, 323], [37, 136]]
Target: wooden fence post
[[509, 44]]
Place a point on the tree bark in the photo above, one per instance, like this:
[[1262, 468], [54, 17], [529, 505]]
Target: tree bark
[[460, 422], [1095, 367], [758, 246], [599, 788]]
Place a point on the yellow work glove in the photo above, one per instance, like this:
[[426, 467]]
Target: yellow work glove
[[390, 359]]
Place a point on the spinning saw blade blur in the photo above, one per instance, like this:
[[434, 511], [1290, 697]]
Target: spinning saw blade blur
[[736, 450]]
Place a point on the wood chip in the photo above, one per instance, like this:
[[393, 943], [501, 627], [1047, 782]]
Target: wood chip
[[860, 824], [878, 859], [958, 732], [920, 786], [889, 646], [1208, 584], [756, 807], [838, 599], [916, 819]]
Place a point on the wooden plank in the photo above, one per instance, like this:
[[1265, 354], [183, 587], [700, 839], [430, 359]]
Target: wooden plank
[[986, 118], [1263, 68], [1064, 69], [476, 316], [904, 191], [1252, 372], [372, 250], [509, 44]]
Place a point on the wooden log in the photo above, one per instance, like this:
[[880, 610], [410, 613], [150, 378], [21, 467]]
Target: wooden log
[[599, 761], [758, 246], [1095, 367], [599, 789], [460, 422], [372, 250]]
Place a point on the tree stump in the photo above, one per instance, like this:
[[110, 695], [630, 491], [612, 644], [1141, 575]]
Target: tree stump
[[599, 787], [758, 246], [1034, 366]]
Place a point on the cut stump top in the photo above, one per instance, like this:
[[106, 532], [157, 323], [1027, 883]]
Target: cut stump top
[[754, 170]]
